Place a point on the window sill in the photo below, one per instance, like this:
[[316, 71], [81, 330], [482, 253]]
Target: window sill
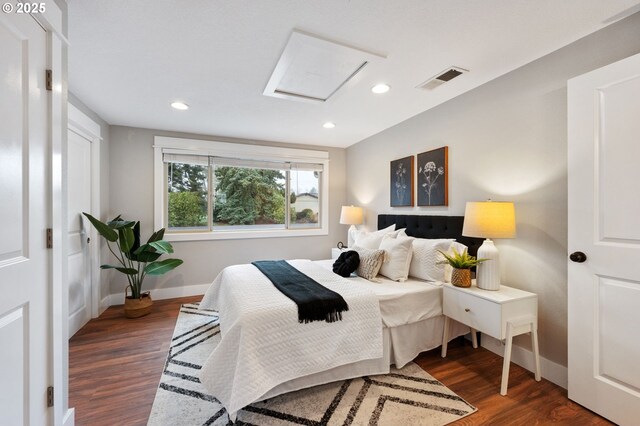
[[243, 235]]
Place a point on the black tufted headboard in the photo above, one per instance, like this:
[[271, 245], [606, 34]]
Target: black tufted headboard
[[431, 227]]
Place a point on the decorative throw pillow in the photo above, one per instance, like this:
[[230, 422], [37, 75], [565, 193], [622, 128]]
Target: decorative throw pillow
[[398, 252], [346, 263], [370, 262], [448, 270], [371, 240], [424, 262]]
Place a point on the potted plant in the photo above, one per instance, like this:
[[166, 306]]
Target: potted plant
[[461, 264], [136, 261]]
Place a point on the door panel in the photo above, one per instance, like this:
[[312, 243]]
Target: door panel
[[616, 298], [604, 223], [76, 276], [12, 367], [79, 200], [618, 130], [13, 162], [24, 343]]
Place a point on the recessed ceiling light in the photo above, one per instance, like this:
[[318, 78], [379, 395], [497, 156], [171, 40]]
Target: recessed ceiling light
[[329, 125], [179, 105], [380, 88]]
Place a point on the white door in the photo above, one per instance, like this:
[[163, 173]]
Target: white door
[[604, 224], [24, 277], [78, 260]]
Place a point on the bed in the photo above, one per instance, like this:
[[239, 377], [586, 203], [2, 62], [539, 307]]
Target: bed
[[265, 352]]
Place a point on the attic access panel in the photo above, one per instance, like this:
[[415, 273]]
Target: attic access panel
[[313, 69]]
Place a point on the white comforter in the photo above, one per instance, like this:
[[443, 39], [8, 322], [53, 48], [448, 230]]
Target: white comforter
[[263, 345]]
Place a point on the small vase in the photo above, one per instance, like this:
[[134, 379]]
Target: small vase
[[461, 277], [136, 308]]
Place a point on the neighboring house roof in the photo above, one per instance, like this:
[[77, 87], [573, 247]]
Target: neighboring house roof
[[307, 194]]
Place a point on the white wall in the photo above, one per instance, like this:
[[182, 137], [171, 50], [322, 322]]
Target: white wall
[[131, 194], [507, 141]]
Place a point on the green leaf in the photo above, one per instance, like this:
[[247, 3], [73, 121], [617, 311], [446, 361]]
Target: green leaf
[[144, 248], [126, 239], [156, 236], [136, 244], [148, 256], [161, 267], [128, 271], [460, 260], [162, 246], [120, 224], [102, 228], [145, 253]]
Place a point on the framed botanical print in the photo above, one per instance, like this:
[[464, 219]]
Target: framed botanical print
[[401, 184], [433, 183]]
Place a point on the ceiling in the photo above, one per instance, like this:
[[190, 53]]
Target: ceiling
[[129, 60]]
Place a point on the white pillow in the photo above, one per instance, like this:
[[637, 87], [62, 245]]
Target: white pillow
[[424, 262], [372, 240], [448, 269], [398, 252]]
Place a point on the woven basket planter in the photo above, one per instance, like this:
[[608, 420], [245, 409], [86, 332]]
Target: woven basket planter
[[461, 277], [136, 308]]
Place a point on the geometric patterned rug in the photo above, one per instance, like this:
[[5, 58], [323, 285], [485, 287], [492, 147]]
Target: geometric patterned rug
[[408, 396]]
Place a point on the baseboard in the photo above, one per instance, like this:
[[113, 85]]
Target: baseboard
[[550, 370], [69, 418], [104, 304], [166, 293]]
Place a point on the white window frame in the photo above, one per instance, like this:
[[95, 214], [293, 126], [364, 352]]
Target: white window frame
[[242, 151]]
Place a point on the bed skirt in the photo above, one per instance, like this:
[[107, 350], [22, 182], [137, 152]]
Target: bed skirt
[[400, 344]]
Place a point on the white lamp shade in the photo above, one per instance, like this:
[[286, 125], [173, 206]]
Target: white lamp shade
[[489, 219], [351, 215]]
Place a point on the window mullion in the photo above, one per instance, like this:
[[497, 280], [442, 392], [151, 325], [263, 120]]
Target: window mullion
[[166, 195], [210, 195], [287, 199]]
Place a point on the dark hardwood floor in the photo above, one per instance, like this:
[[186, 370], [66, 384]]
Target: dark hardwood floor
[[115, 366]]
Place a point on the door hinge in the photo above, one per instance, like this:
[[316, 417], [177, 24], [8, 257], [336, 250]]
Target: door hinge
[[49, 80], [49, 238], [50, 396]]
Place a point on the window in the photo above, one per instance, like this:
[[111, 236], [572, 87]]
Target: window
[[304, 198], [211, 190], [187, 193]]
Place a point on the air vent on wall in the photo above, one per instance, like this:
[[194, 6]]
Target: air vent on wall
[[441, 78], [313, 69]]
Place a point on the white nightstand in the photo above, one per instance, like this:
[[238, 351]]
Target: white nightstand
[[335, 252], [501, 314]]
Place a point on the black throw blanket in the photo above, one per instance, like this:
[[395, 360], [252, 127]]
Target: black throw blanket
[[315, 302]]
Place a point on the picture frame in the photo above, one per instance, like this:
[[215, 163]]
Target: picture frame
[[401, 182], [432, 177]]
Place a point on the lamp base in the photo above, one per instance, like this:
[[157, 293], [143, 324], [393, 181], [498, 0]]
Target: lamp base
[[488, 272], [351, 235]]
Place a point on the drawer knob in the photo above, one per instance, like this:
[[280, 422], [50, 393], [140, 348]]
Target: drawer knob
[[467, 309]]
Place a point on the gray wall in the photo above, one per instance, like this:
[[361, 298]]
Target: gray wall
[[104, 186], [131, 179], [507, 141]]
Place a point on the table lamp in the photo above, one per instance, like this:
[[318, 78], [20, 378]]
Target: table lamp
[[350, 215], [489, 219]]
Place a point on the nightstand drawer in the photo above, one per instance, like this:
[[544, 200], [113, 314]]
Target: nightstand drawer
[[480, 314]]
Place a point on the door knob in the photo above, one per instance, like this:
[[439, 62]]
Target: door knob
[[88, 240], [578, 257]]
